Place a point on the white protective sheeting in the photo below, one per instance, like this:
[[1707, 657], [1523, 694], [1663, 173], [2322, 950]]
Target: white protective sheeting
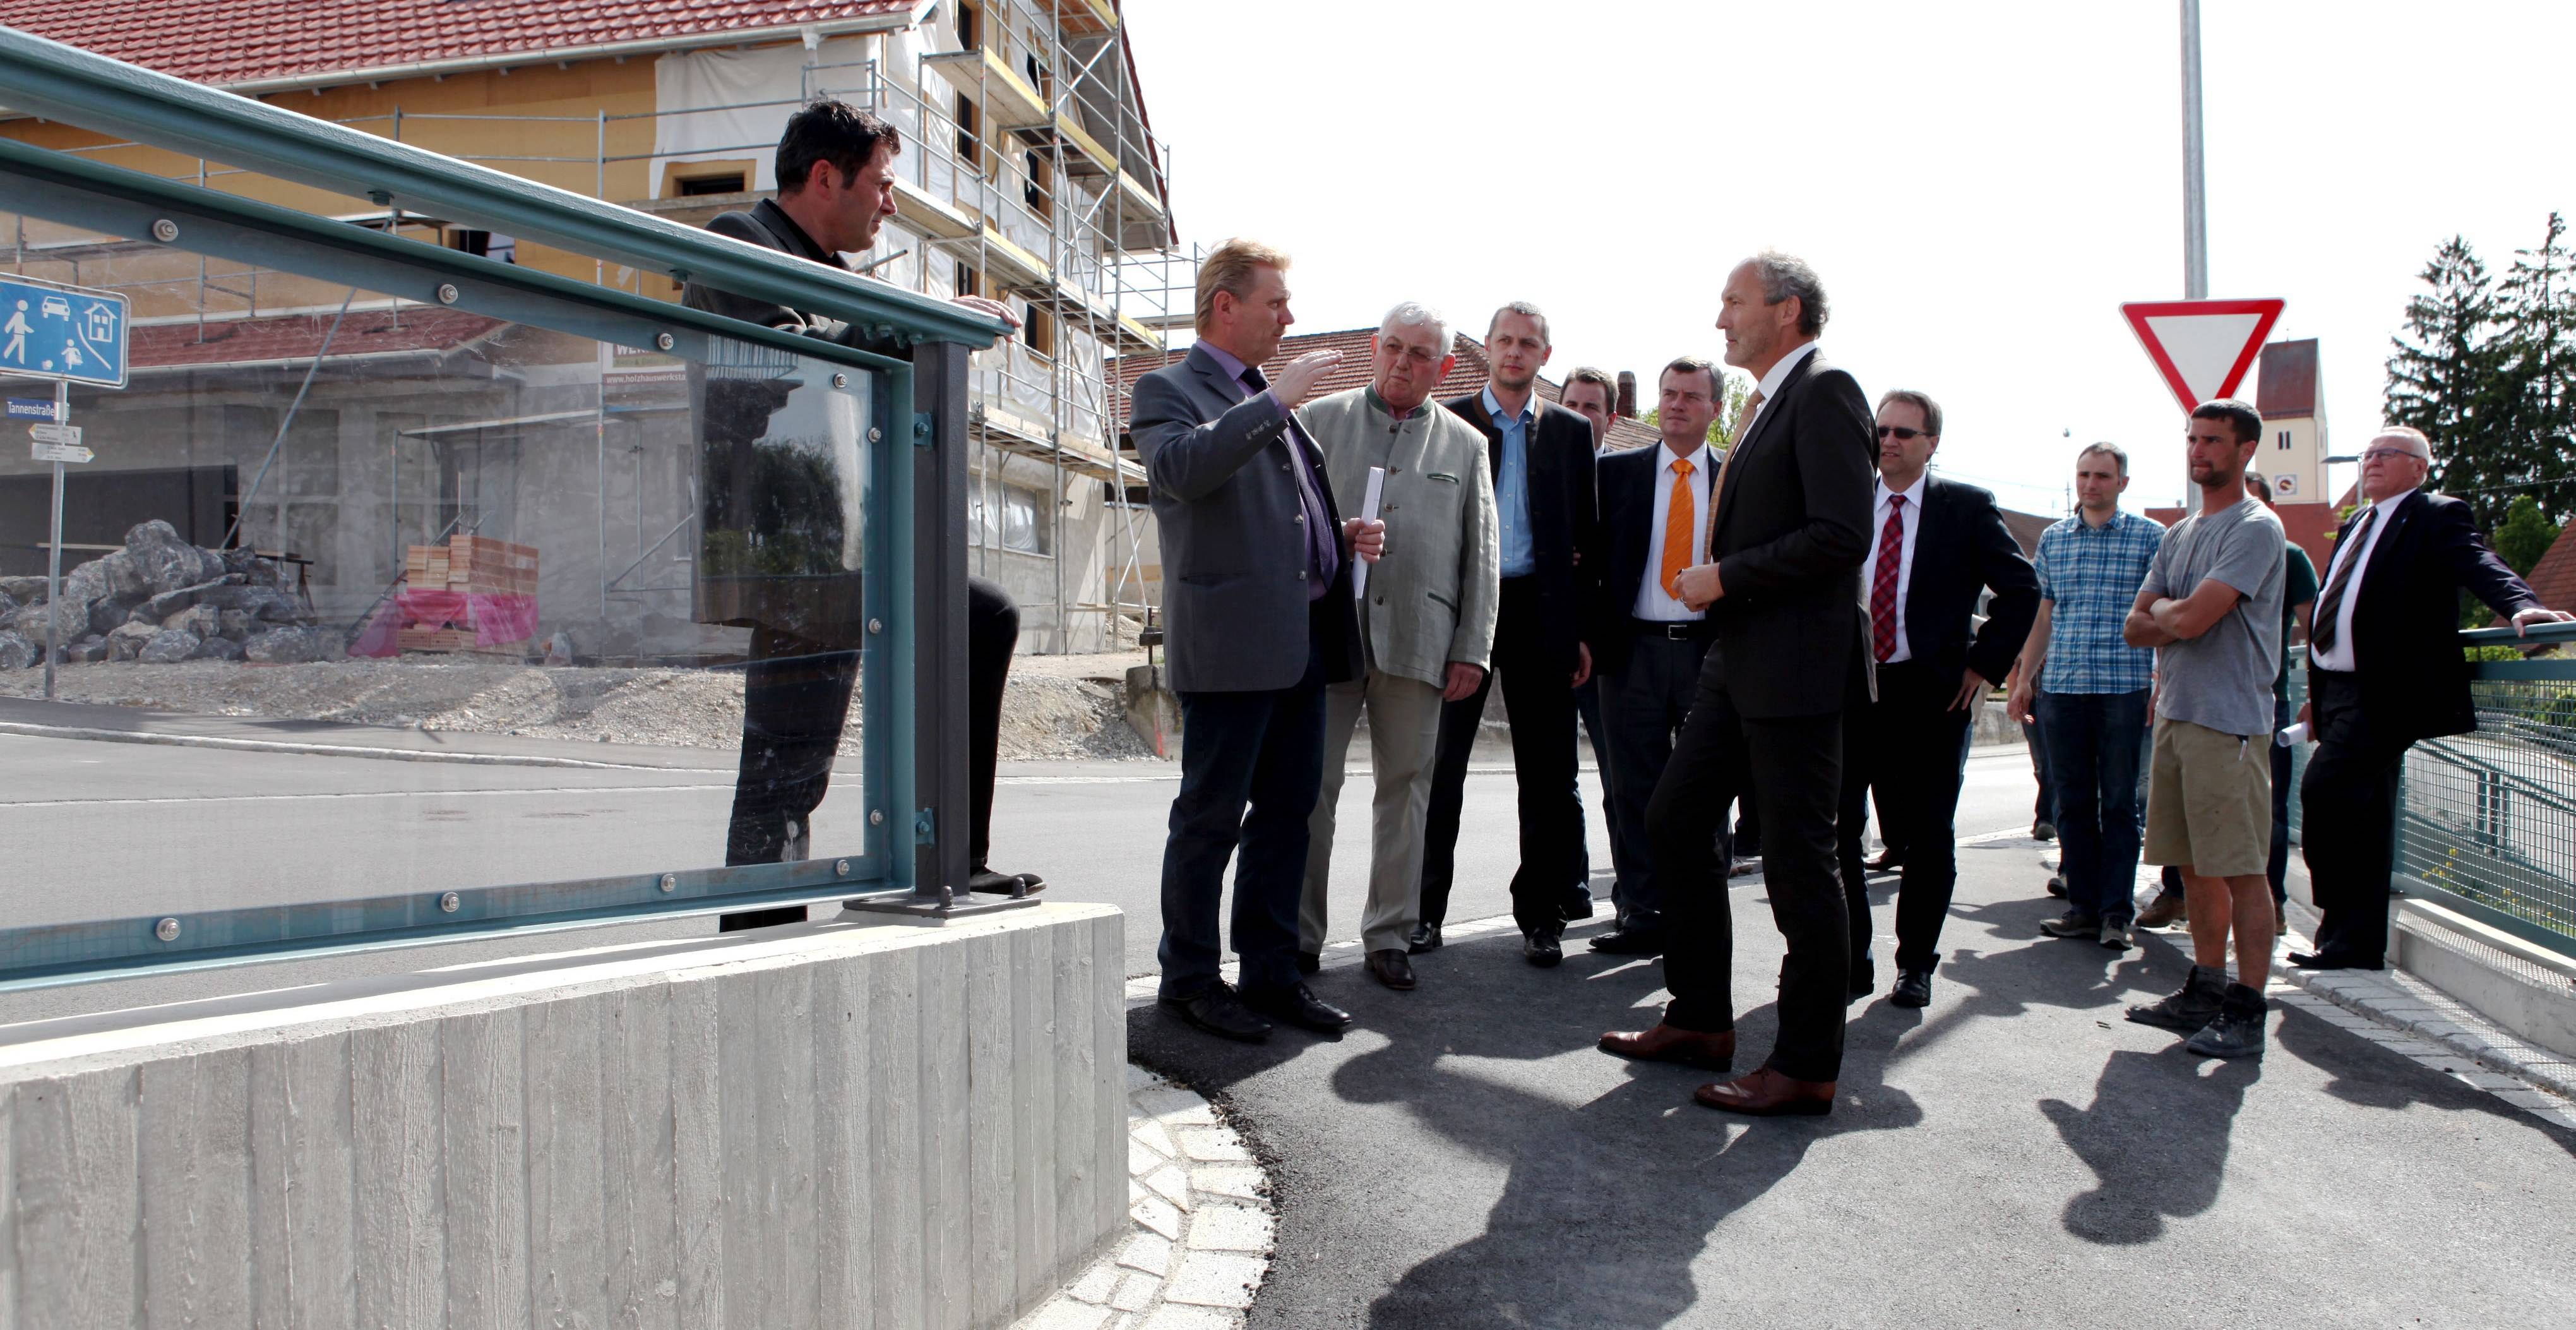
[[705, 100]]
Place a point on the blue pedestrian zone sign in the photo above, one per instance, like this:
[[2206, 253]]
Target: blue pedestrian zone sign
[[61, 332]]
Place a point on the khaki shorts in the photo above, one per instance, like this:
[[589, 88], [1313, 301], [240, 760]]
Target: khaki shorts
[[2209, 801]]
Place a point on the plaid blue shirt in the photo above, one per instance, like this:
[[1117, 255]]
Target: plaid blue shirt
[[2092, 575]]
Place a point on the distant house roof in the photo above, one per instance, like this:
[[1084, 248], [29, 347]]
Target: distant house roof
[[300, 337], [1465, 377], [231, 42], [2288, 386], [2553, 579], [2025, 529]]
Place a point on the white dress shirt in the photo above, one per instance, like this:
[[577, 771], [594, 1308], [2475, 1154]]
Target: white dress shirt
[[2339, 656], [1904, 559], [1654, 601], [1770, 385]]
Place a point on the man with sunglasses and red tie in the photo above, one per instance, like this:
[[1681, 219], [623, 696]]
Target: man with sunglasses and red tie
[[1936, 545]]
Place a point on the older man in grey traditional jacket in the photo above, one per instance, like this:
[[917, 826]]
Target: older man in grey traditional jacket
[[1426, 616]]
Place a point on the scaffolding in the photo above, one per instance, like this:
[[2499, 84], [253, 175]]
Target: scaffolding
[[1035, 178]]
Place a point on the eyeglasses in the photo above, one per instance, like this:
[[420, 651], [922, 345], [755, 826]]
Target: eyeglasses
[[2373, 454], [1903, 434]]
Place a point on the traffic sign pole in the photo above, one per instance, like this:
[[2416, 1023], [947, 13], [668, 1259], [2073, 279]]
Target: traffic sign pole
[[54, 556]]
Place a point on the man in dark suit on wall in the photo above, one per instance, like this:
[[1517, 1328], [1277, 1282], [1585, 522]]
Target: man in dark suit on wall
[[1541, 456], [1782, 586], [1654, 524], [2384, 670], [1938, 544], [835, 172], [1257, 597]]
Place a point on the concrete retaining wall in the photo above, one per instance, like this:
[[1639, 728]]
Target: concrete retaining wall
[[886, 1125]]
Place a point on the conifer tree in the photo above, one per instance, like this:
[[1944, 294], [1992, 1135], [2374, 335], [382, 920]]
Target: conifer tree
[[2536, 336], [2447, 378]]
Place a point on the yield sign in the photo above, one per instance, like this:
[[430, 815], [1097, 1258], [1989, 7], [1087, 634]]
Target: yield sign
[[2202, 347]]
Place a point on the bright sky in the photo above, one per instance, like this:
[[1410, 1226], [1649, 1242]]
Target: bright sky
[[1981, 186]]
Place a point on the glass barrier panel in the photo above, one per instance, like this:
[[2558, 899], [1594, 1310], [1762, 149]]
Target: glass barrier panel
[[362, 597]]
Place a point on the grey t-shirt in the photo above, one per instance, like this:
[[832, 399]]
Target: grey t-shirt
[[2222, 679]]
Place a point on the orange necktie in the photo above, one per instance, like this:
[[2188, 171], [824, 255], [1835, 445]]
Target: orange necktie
[[1680, 515]]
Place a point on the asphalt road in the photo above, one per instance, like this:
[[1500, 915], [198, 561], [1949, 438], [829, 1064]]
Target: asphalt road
[[2014, 1155]]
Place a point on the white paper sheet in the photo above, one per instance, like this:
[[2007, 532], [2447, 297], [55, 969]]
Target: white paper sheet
[[1368, 510]]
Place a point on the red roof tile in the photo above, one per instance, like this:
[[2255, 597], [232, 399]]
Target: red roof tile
[[242, 41], [298, 337], [2554, 577], [1468, 375]]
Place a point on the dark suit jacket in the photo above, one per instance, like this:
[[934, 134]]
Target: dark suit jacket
[[1234, 551], [1791, 529], [1627, 479], [1565, 520], [1961, 548], [2405, 625]]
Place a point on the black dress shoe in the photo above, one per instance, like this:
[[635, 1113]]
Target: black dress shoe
[[1630, 940], [1218, 1011], [1543, 947], [1298, 1005], [1389, 966], [1913, 989], [1309, 962], [1426, 937], [2326, 960], [1887, 862], [985, 881], [1864, 977], [1577, 907]]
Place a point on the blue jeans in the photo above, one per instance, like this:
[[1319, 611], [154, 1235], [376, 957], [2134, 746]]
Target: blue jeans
[[1251, 766], [2095, 741]]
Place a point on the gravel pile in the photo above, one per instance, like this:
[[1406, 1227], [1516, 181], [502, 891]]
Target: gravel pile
[[1044, 715]]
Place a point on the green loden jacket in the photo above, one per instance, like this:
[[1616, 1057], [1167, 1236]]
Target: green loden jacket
[[1432, 599]]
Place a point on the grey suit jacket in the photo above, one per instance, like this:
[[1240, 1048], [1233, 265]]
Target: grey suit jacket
[[1234, 545], [1432, 599]]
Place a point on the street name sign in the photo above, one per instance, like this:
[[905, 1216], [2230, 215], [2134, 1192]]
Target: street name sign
[[61, 332], [2202, 348]]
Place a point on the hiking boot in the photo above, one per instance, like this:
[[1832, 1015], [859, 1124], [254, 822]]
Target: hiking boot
[[2073, 923], [2115, 934], [2238, 1030], [2191, 1007], [2167, 911]]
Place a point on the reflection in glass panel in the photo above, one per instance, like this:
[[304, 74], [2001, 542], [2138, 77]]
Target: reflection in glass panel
[[357, 533]]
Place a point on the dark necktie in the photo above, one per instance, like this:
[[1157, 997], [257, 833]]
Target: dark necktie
[[1323, 552], [1882, 586], [2321, 627]]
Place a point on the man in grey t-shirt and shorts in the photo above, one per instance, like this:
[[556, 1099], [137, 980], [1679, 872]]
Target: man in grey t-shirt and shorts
[[2211, 607]]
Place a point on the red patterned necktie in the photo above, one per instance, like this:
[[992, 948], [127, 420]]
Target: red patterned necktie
[[1882, 586]]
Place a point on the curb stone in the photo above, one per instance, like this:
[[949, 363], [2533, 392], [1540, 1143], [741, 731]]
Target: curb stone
[[1199, 1240]]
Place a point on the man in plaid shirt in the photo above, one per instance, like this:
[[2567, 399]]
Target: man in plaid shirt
[[2092, 694]]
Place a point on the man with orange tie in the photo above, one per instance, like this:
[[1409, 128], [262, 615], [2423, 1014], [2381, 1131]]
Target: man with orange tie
[[1649, 645]]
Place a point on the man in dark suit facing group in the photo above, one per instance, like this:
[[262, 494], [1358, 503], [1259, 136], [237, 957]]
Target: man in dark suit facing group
[[1541, 457], [2384, 670], [1782, 586], [1938, 544], [1257, 598]]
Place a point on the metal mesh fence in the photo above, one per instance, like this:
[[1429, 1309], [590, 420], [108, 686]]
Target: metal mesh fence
[[2491, 816]]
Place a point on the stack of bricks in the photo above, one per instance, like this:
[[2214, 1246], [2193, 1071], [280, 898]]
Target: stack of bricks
[[468, 565]]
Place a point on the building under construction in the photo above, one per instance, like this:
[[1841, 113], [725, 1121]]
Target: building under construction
[[1029, 175]]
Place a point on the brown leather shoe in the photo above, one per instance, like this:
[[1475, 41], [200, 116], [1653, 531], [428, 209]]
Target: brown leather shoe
[[1392, 968], [2164, 912], [1768, 1094], [1666, 1043]]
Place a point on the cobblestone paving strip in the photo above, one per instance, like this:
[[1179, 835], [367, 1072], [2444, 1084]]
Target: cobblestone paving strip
[[1202, 1223]]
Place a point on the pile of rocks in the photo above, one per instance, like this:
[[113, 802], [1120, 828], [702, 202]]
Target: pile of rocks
[[161, 600]]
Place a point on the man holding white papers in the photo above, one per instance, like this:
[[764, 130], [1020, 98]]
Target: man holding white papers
[[1426, 615]]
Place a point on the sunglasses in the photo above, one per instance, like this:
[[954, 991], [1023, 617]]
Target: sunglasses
[[1903, 434]]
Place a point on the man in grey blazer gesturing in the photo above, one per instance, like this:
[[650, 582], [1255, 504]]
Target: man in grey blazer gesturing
[[1257, 599]]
